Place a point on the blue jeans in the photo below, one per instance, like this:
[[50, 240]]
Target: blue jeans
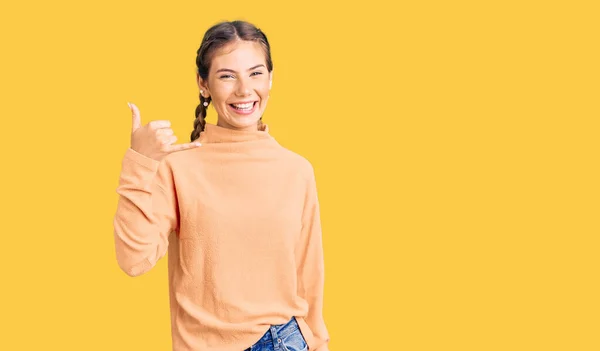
[[281, 337]]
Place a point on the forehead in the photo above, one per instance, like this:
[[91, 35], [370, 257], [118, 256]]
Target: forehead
[[239, 56]]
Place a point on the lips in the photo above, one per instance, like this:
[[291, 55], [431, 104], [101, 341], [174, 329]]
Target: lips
[[243, 106]]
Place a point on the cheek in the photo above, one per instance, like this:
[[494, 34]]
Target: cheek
[[263, 91], [220, 92]]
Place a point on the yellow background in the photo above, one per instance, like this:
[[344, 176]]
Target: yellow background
[[455, 145]]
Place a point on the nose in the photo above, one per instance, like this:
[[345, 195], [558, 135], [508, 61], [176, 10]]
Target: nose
[[243, 89]]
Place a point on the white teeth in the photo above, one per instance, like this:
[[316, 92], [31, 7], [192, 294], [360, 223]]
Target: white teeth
[[244, 106]]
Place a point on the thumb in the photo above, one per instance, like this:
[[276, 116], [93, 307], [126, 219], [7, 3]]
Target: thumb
[[136, 120]]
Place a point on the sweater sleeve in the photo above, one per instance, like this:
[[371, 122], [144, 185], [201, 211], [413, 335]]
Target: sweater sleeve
[[146, 213], [311, 268]]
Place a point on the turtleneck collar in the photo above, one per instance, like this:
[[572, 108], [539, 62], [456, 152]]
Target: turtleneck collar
[[213, 133]]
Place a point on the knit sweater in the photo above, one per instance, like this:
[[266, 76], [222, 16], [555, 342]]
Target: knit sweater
[[239, 219]]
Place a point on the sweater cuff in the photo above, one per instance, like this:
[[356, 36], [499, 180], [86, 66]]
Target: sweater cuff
[[142, 160], [138, 171]]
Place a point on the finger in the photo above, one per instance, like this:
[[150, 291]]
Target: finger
[[168, 140], [165, 132], [159, 124], [136, 120], [181, 147]]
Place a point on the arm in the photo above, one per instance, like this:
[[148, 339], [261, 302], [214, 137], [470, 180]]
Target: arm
[[311, 268], [146, 213]]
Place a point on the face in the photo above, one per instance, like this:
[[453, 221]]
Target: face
[[238, 84]]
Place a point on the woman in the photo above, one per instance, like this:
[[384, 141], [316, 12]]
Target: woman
[[237, 213]]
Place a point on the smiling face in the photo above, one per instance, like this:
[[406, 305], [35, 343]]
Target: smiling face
[[238, 84]]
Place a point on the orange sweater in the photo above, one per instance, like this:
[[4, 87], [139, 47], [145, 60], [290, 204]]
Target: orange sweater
[[239, 218]]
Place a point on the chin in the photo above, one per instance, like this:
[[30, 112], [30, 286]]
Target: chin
[[245, 121]]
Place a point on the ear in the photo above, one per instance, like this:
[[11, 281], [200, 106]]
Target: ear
[[270, 79], [202, 85]]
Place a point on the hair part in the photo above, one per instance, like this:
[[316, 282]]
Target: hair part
[[215, 38]]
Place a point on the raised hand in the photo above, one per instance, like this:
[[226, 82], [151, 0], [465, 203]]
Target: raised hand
[[155, 139]]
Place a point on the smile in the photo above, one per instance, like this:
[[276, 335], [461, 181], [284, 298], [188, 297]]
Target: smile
[[244, 108]]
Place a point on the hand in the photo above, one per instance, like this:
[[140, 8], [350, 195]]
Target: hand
[[155, 139]]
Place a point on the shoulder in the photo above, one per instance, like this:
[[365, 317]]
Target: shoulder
[[299, 163], [286, 160], [181, 160]]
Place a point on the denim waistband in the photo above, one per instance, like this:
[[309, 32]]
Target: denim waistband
[[280, 330]]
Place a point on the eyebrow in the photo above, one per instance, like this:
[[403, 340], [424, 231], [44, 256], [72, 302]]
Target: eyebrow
[[230, 70]]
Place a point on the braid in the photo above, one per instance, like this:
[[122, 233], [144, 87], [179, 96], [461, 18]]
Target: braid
[[261, 126], [199, 122]]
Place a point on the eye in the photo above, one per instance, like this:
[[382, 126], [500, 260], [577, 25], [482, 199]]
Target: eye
[[257, 73], [226, 76]]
